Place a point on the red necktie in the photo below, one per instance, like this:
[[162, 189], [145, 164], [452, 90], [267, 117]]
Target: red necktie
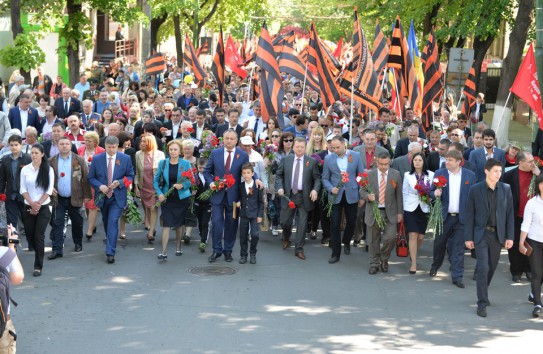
[[228, 162]]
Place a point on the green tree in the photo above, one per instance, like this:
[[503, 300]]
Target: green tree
[[24, 54]]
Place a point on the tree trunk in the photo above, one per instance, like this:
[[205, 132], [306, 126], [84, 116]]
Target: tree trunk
[[428, 19], [17, 28], [178, 40], [72, 50], [510, 67], [156, 22], [480, 46]]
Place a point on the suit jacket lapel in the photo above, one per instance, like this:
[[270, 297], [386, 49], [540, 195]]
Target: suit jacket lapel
[[484, 197]]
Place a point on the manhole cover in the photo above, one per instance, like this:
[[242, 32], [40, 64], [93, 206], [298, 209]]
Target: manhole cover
[[213, 270]]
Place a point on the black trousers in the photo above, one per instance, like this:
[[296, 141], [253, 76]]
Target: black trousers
[[246, 224], [203, 214], [488, 256], [64, 205], [35, 226], [536, 263], [518, 262], [350, 216], [318, 215]]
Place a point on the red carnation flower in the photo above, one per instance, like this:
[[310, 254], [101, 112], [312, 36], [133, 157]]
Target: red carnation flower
[[291, 205], [90, 159], [62, 174], [127, 182], [190, 130], [2, 197]]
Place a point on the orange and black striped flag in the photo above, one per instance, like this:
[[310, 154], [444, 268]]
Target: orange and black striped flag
[[433, 85], [380, 51], [204, 46], [217, 68], [190, 59], [470, 91], [155, 64], [286, 39], [271, 82], [360, 77], [400, 59], [255, 85], [290, 63], [325, 69], [243, 50]]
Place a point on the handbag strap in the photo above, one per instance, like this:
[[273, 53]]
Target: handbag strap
[[401, 229]]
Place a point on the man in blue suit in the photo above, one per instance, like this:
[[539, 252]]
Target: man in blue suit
[[454, 198], [106, 176], [23, 115], [223, 161], [489, 225], [480, 156], [345, 197]]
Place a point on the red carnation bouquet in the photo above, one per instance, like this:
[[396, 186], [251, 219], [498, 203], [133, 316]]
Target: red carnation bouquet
[[435, 221], [532, 189], [185, 176], [344, 179], [218, 184], [131, 212], [363, 181]]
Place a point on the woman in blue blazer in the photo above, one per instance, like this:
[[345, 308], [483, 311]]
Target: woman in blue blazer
[[174, 207]]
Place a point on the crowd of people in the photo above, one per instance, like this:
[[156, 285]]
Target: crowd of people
[[169, 148]]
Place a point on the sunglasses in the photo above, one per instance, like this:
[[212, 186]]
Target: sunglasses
[[455, 135], [298, 104], [288, 140], [324, 126], [167, 110], [276, 136]]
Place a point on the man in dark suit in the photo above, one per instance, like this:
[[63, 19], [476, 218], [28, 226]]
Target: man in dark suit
[[200, 125], [519, 179], [225, 161], [218, 119], [537, 145], [479, 107], [489, 224], [402, 164], [233, 117], [88, 117], [67, 105], [173, 126], [386, 185], [51, 147], [477, 142], [454, 198], [489, 150], [299, 180], [106, 176], [187, 99], [412, 137], [10, 177], [436, 159], [72, 190], [346, 197], [92, 94], [22, 115], [463, 125]]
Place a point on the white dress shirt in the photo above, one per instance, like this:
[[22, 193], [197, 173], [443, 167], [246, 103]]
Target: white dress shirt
[[24, 122], [199, 131], [258, 164], [28, 184], [533, 219], [107, 165], [232, 153], [301, 173], [454, 191], [249, 186]]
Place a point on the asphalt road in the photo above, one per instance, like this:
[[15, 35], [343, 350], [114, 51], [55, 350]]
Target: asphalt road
[[282, 304]]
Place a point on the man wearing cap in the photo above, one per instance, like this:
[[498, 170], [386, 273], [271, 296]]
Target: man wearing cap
[[92, 94]]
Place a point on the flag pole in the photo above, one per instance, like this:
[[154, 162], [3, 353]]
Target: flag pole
[[384, 78], [503, 111], [250, 84], [303, 89], [351, 119], [460, 100], [397, 97]]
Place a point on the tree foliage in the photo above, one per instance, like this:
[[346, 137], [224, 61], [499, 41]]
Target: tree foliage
[[25, 53]]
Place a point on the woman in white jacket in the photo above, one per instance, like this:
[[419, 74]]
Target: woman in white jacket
[[416, 205]]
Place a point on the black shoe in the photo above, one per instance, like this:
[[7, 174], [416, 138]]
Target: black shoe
[[30, 249], [54, 255], [110, 259], [242, 260], [384, 267], [186, 239], [78, 248], [325, 240], [412, 272], [105, 240], [433, 272], [347, 249], [313, 235], [531, 298], [373, 270], [516, 279], [459, 284], [252, 260], [88, 237], [529, 275], [537, 311], [356, 243], [333, 260], [37, 273], [481, 311], [228, 257], [214, 257]]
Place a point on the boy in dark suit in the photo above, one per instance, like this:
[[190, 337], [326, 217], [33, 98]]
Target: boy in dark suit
[[202, 208], [251, 213]]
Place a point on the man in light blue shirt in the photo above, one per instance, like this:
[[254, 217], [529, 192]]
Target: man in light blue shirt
[[83, 85]]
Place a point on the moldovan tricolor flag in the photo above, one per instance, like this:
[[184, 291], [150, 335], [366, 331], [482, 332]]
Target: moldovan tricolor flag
[[526, 85], [233, 59]]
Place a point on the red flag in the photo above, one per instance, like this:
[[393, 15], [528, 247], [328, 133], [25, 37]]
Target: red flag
[[339, 47], [233, 59], [526, 85]]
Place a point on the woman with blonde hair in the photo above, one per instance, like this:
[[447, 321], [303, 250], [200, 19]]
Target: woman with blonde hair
[[147, 159], [316, 141]]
